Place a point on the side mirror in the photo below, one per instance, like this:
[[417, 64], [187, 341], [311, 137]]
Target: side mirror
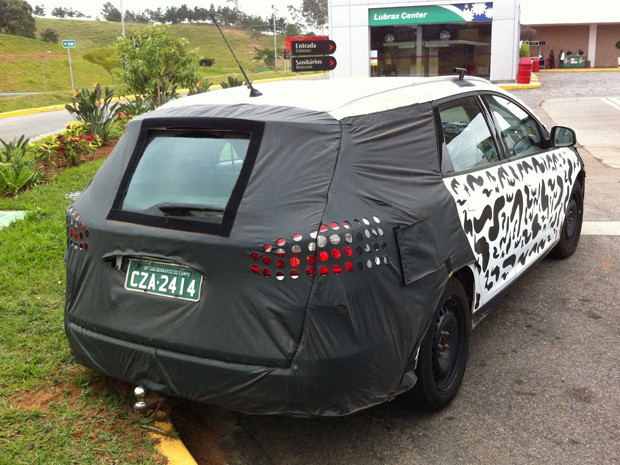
[[563, 137]]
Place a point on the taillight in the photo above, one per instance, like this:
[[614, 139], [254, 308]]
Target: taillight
[[78, 234], [331, 249]]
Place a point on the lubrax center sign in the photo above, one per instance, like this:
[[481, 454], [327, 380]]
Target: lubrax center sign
[[457, 13]]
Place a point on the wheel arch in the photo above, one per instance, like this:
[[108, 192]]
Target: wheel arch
[[581, 179], [466, 277]]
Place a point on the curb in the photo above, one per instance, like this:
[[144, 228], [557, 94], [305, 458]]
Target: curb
[[169, 446], [31, 111], [579, 70], [532, 85]]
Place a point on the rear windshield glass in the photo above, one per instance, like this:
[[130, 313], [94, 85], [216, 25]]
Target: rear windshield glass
[[185, 173]]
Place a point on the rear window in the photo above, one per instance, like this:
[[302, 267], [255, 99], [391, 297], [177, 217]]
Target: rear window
[[187, 173], [189, 177]]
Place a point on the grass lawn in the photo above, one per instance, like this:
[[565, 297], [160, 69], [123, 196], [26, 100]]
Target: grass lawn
[[53, 411]]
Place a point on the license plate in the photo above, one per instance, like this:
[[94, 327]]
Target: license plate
[[164, 279]]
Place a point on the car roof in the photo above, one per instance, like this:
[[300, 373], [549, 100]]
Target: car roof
[[342, 97]]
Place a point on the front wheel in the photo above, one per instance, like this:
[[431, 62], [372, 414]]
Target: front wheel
[[444, 351], [571, 229]]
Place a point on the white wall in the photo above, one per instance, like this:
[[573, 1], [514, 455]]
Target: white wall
[[348, 27]]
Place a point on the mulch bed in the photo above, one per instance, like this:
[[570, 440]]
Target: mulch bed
[[59, 163]]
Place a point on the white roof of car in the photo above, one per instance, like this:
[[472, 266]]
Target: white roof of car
[[342, 97]]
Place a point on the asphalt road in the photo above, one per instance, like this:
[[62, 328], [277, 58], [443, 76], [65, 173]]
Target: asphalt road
[[543, 381], [33, 126]]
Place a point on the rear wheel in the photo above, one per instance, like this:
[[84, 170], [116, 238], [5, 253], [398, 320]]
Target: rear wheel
[[444, 351], [571, 229]]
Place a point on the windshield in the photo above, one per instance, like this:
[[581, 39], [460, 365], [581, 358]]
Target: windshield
[[186, 173]]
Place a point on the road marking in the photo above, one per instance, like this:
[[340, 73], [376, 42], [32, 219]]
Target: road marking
[[614, 102], [601, 228]]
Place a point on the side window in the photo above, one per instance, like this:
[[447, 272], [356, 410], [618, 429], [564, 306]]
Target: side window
[[519, 129], [467, 134]]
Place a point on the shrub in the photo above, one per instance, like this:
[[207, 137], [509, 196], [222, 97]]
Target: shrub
[[200, 88], [49, 35], [69, 147], [524, 50], [137, 106], [233, 81], [96, 109], [122, 117], [208, 62], [17, 169]]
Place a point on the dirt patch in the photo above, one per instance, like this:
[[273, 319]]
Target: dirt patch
[[40, 400], [202, 429], [77, 399], [64, 384], [40, 56]]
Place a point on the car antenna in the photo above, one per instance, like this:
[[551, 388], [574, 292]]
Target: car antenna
[[461, 71], [253, 92]]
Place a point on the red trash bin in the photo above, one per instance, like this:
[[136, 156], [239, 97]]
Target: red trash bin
[[524, 72], [535, 65]]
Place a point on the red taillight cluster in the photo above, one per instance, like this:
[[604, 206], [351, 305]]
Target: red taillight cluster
[[332, 249], [77, 233]]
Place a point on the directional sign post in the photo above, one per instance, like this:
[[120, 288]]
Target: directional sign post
[[312, 55], [69, 44], [313, 47], [300, 64]]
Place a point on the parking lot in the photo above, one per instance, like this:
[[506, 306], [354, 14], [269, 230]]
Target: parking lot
[[542, 385]]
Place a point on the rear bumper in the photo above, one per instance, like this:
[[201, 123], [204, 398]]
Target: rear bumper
[[331, 387]]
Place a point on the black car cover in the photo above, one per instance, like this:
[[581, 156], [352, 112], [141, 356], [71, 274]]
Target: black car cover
[[317, 286]]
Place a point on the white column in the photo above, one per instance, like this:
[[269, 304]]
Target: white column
[[592, 45]]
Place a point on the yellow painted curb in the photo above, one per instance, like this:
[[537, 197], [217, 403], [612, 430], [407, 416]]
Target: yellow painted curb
[[531, 85], [578, 70], [171, 448], [31, 111]]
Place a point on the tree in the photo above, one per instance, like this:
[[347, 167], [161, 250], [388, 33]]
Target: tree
[[314, 13], [104, 57], [61, 12], [266, 55], [156, 63], [110, 12], [293, 30], [16, 18], [39, 10], [49, 35]]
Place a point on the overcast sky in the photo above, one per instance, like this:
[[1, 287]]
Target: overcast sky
[[532, 11], [93, 8]]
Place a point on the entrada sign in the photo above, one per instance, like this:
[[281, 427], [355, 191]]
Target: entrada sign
[[69, 43], [312, 47]]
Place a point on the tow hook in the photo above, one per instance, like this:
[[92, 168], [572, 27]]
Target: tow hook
[[145, 406], [140, 394]]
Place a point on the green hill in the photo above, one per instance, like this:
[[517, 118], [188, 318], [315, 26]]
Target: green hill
[[28, 65]]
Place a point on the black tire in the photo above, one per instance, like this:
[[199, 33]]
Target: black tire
[[571, 229], [444, 351]]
